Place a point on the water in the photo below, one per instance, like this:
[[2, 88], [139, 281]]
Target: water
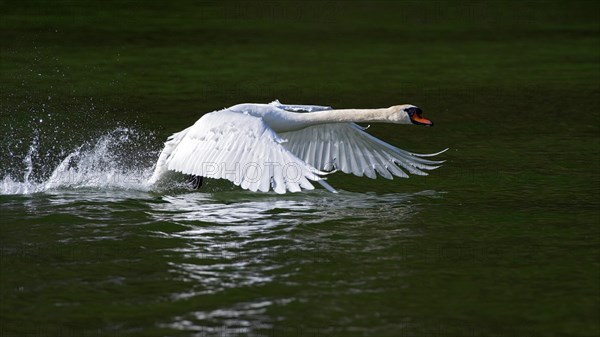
[[216, 252], [87, 237], [502, 240]]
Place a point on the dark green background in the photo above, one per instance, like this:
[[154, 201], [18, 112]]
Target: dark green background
[[513, 87]]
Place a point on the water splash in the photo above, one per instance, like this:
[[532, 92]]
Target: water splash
[[8, 185], [118, 159]]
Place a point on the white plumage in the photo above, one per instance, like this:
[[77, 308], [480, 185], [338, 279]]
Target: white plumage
[[284, 147]]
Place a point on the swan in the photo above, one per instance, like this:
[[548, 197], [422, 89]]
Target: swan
[[284, 147]]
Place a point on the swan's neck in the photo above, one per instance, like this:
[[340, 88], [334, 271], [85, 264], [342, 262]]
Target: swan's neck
[[385, 115]]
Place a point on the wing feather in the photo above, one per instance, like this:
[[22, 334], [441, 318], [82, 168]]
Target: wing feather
[[251, 157], [347, 147]]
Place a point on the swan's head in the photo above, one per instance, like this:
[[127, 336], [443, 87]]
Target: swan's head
[[409, 114]]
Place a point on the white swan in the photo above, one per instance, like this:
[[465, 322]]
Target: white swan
[[282, 147]]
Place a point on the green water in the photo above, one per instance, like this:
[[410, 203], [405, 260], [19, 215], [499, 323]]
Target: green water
[[503, 240]]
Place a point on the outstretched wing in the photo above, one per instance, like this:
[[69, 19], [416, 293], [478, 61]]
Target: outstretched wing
[[299, 108], [170, 145], [242, 149], [347, 147]]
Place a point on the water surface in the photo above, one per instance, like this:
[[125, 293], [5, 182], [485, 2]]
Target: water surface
[[500, 241]]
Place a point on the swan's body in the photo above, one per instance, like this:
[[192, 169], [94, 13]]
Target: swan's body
[[282, 147]]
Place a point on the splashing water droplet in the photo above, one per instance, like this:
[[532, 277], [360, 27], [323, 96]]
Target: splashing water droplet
[[118, 159]]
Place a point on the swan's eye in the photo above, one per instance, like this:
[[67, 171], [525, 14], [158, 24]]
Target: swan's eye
[[414, 110]]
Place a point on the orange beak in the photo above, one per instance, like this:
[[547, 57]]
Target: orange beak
[[417, 118]]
